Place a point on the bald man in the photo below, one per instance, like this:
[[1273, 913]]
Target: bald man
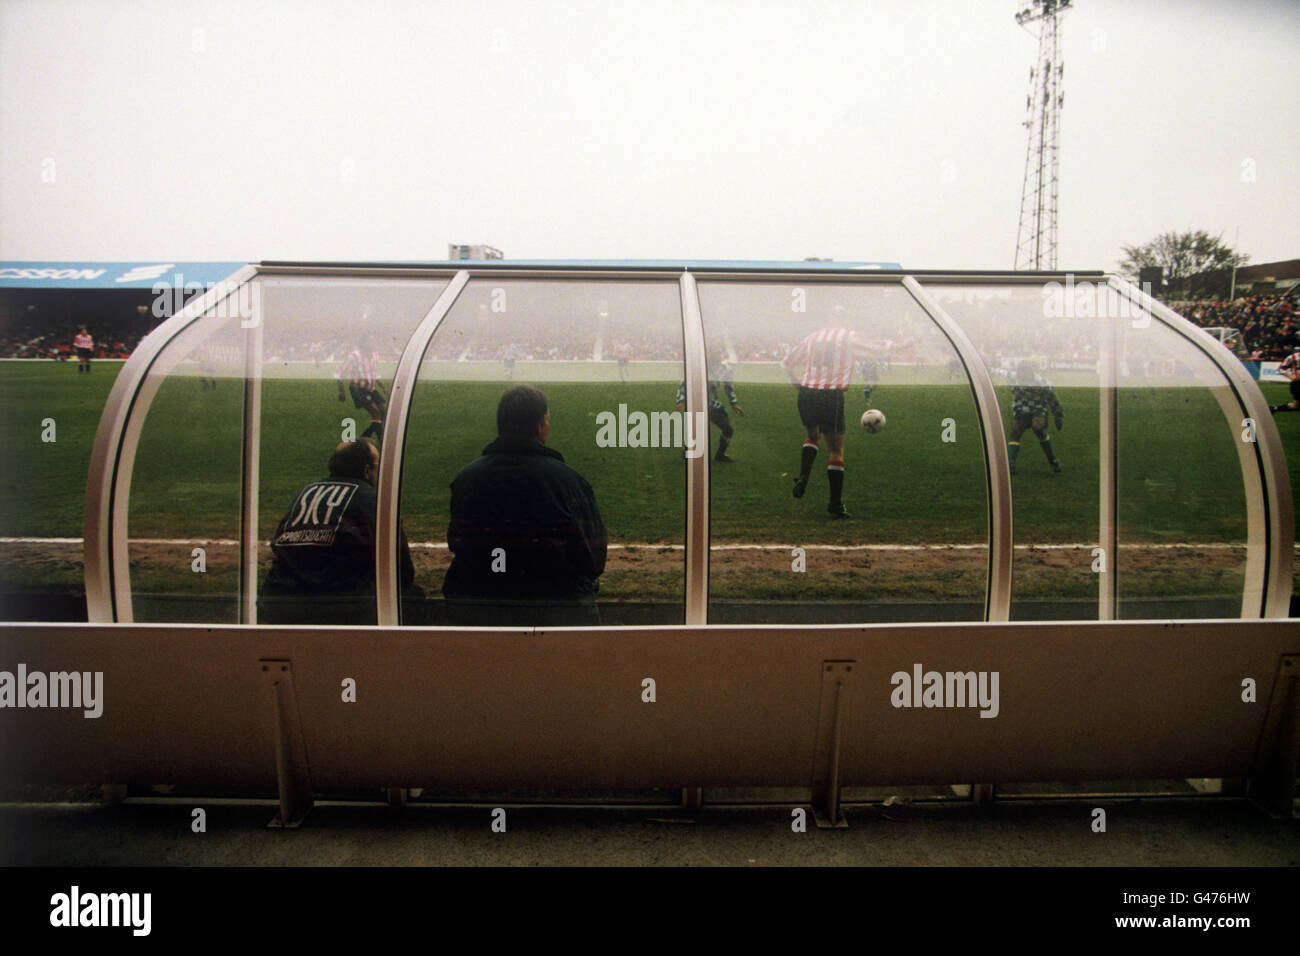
[[325, 545]]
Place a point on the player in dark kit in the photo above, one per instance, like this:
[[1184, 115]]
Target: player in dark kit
[[361, 372], [1032, 401], [720, 376], [509, 355], [623, 352], [820, 367], [1290, 367], [208, 367], [873, 370]]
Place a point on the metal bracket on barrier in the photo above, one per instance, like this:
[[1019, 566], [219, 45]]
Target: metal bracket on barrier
[[1272, 783], [293, 777], [830, 721], [692, 797]]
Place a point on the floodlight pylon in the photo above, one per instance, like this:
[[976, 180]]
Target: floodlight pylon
[[1036, 238]]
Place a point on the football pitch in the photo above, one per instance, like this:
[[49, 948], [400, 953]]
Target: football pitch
[[917, 485]]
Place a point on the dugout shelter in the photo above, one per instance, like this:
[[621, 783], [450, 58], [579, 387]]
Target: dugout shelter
[[1123, 602]]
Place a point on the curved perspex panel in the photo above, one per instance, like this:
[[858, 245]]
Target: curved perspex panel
[[851, 452], [581, 525], [848, 479]]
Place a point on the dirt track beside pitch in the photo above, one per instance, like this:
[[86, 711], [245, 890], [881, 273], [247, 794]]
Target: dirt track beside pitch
[[636, 571]]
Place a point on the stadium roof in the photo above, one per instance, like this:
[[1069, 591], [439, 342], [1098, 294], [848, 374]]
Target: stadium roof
[[112, 275], [757, 266], [676, 265], [146, 275], [1272, 271]]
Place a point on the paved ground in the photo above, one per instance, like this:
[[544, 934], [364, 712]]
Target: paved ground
[[1189, 831]]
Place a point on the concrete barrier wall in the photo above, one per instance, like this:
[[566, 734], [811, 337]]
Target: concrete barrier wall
[[752, 706]]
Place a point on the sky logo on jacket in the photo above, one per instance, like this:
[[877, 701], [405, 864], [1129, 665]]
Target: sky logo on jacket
[[315, 515]]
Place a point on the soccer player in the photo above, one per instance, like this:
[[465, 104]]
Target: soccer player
[[820, 367], [623, 352], [873, 370], [1290, 367], [509, 355], [361, 372], [208, 367], [720, 376], [1032, 400], [85, 346]]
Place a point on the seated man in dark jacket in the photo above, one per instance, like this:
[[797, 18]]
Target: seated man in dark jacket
[[525, 532], [323, 570]]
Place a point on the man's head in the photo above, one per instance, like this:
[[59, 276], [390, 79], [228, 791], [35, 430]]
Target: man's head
[[356, 459], [522, 413]]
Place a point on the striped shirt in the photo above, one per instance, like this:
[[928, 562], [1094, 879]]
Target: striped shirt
[[359, 369], [83, 341], [826, 358], [1290, 366]]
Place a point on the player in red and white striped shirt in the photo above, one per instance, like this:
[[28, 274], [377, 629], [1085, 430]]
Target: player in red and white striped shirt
[[1290, 367], [85, 346], [361, 372], [821, 367]]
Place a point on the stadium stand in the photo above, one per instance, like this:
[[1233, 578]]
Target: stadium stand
[[1267, 322]]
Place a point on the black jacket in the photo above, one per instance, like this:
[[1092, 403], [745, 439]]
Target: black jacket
[[522, 498], [325, 543]]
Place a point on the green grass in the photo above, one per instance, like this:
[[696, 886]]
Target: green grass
[[1179, 474], [43, 484], [1178, 480]]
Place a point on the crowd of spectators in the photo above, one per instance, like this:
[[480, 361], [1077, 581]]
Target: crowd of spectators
[[30, 342], [1269, 326], [1267, 323], [557, 338]]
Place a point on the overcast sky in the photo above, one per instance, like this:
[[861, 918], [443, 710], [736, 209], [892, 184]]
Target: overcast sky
[[616, 129]]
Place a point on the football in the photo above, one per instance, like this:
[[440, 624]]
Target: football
[[873, 420]]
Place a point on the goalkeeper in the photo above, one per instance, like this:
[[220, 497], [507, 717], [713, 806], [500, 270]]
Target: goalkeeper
[[1032, 401], [720, 377]]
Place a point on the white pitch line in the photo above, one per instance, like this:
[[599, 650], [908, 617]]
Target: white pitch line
[[442, 545]]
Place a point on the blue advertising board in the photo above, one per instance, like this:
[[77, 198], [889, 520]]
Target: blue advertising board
[[113, 275]]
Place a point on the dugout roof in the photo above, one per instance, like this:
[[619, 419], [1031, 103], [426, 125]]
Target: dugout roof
[[1172, 497]]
